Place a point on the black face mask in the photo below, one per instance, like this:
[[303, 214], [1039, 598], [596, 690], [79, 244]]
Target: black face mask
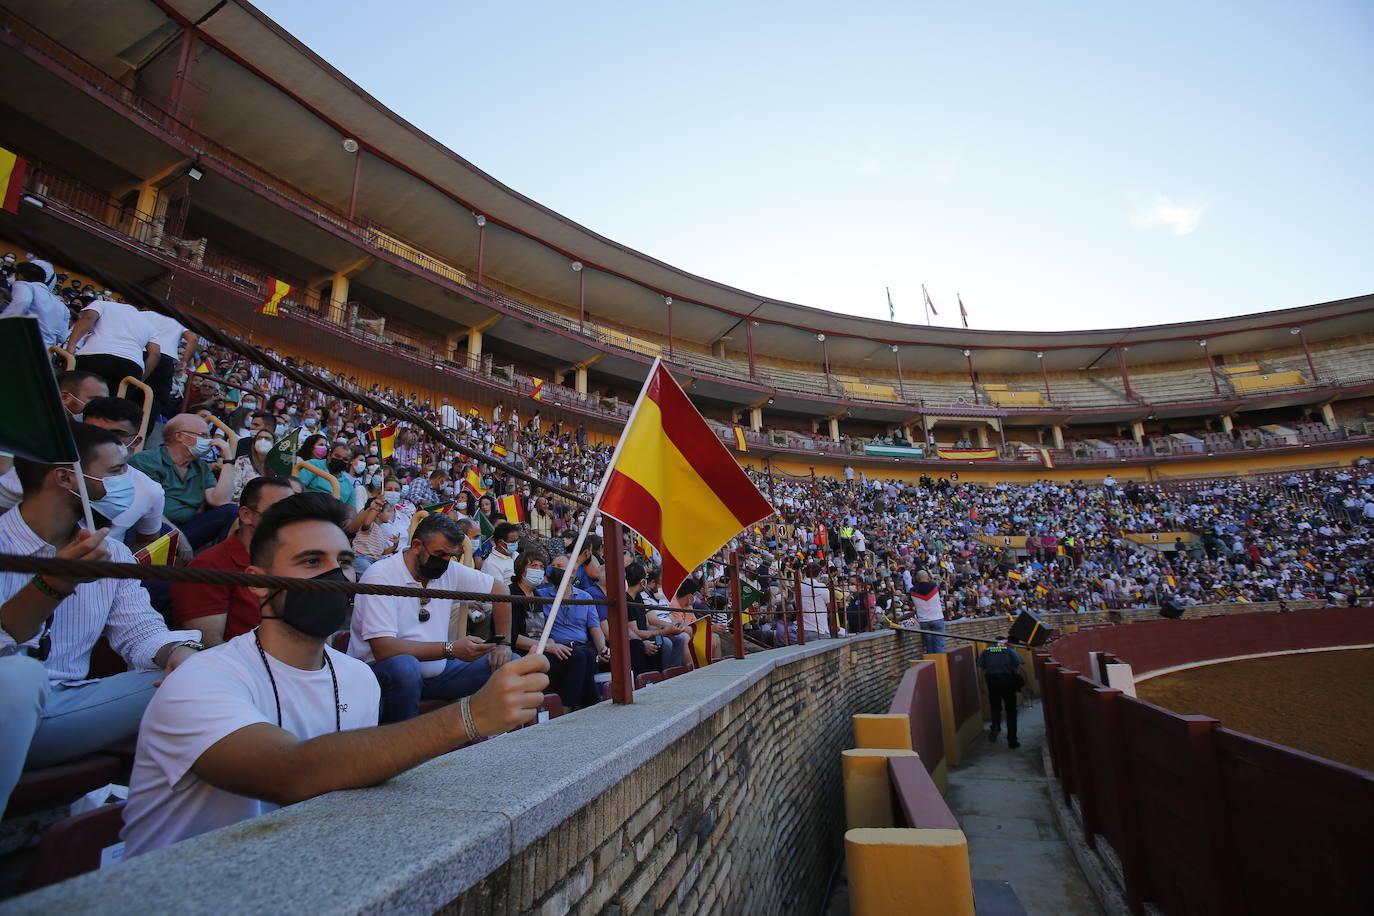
[[432, 568], [555, 574], [337, 465], [317, 614]]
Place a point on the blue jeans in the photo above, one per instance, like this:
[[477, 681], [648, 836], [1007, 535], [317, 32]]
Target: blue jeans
[[933, 643], [403, 688], [673, 649], [210, 525], [42, 723]]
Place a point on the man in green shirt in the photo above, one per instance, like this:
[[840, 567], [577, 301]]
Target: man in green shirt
[[198, 493]]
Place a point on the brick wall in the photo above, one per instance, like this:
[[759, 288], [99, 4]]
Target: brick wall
[[743, 813]]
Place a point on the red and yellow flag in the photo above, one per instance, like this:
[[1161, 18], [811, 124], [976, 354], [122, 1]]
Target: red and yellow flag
[[1014, 576], [276, 292], [701, 642], [512, 508], [499, 450], [12, 169], [385, 437], [538, 392], [739, 439], [204, 367], [472, 482], [160, 552], [674, 482]]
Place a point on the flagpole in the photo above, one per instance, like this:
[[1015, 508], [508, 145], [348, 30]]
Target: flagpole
[[85, 498], [563, 584]]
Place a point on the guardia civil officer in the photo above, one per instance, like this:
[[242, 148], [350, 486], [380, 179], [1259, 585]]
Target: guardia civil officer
[[1001, 666]]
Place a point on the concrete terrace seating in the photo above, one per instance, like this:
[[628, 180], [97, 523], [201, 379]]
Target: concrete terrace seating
[[1189, 384]]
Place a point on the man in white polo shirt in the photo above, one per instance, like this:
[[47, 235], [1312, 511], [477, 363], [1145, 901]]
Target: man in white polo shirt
[[406, 640], [274, 716], [113, 340], [175, 345]]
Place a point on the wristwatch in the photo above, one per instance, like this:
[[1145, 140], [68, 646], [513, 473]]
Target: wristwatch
[[192, 644], [448, 650]]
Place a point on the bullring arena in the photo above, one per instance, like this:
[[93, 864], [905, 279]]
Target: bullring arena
[[479, 355]]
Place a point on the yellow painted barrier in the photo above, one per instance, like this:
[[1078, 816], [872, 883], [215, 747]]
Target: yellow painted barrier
[[890, 730], [868, 796], [906, 870]]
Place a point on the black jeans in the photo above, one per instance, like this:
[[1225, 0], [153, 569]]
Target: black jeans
[[113, 370], [1002, 691], [160, 380]]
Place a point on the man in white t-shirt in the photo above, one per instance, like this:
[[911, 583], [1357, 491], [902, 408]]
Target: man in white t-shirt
[[274, 717], [175, 345], [406, 640], [448, 415], [930, 610], [815, 604], [114, 340]]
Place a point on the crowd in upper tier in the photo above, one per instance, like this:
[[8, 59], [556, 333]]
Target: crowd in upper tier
[[242, 469]]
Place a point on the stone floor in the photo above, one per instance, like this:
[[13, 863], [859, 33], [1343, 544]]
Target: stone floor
[[999, 796]]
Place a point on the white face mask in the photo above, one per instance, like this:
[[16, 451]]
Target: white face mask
[[262, 446]]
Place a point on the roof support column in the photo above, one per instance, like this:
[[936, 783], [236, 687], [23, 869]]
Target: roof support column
[[1125, 376], [1311, 366], [1046, 376], [749, 331], [756, 419], [1057, 435], [982, 436], [338, 298], [1227, 425], [1329, 416], [901, 386], [834, 429], [1138, 432]]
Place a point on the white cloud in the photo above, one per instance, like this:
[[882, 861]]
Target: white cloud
[[1179, 217]]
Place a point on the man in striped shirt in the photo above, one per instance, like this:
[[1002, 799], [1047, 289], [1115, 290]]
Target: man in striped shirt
[[50, 710]]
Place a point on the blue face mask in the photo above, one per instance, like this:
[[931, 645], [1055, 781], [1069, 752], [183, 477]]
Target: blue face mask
[[535, 577], [118, 498], [201, 448]]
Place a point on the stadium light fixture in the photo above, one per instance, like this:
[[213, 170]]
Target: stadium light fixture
[[1202, 343], [667, 300], [1295, 331], [770, 400], [481, 220], [194, 173], [350, 145], [577, 266], [821, 338], [1039, 355], [968, 352], [894, 348]]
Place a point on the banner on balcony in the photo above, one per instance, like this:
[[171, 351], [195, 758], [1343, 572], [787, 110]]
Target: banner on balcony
[[968, 454]]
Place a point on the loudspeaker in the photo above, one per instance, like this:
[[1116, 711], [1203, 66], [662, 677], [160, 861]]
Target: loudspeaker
[[1028, 630]]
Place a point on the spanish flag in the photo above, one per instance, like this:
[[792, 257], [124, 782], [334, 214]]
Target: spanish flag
[[1045, 458], [1171, 581], [538, 392], [12, 169], [204, 367], [739, 439], [701, 642], [673, 481], [159, 552], [276, 292], [1041, 591], [385, 437], [472, 482], [1014, 576], [499, 450], [512, 508]]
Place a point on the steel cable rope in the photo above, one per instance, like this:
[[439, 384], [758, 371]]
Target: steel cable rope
[[138, 294]]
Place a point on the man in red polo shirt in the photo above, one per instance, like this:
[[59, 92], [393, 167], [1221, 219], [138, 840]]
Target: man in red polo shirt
[[222, 612]]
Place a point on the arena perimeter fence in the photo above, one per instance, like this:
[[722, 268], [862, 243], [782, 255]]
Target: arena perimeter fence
[[1191, 817]]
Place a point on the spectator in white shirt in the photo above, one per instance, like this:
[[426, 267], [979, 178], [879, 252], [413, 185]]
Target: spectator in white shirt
[[50, 711], [114, 340], [815, 604], [274, 717], [175, 345], [406, 640], [31, 294]]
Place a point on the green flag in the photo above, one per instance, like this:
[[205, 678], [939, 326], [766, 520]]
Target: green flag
[[33, 424], [749, 595], [484, 524], [281, 460]]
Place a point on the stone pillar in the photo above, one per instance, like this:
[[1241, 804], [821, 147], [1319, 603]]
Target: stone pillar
[[451, 345], [474, 348], [1329, 416], [1138, 433], [756, 419], [982, 436], [580, 381], [338, 298], [1227, 426], [1057, 432], [718, 349], [835, 429]]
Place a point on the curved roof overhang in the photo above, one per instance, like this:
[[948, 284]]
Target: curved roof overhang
[[279, 104]]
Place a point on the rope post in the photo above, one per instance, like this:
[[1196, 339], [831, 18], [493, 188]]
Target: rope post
[[837, 597], [622, 684], [736, 605], [801, 623]]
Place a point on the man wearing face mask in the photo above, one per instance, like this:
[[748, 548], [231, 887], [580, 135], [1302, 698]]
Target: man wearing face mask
[[500, 563], [49, 710], [405, 640], [275, 716], [198, 494], [77, 387], [221, 612]]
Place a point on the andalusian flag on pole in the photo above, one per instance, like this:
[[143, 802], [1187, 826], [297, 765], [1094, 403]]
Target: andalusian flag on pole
[[673, 481], [739, 439], [281, 460], [12, 169], [276, 292]]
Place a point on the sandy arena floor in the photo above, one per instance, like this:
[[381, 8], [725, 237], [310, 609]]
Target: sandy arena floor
[[1319, 702]]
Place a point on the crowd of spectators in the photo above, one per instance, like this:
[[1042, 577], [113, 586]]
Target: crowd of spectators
[[361, 496]]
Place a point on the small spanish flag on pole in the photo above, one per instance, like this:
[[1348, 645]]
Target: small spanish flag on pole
[[499, 450], [385, 437], [472, 482], [1014, 576], [204, 367], [276, 292], [512, 507], [739, 439], [12, 169], [538, 392]]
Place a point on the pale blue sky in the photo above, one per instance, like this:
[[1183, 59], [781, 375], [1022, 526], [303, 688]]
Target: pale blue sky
[[1062, 165]]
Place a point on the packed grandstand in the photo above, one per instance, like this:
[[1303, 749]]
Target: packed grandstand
[[1217, 462]]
